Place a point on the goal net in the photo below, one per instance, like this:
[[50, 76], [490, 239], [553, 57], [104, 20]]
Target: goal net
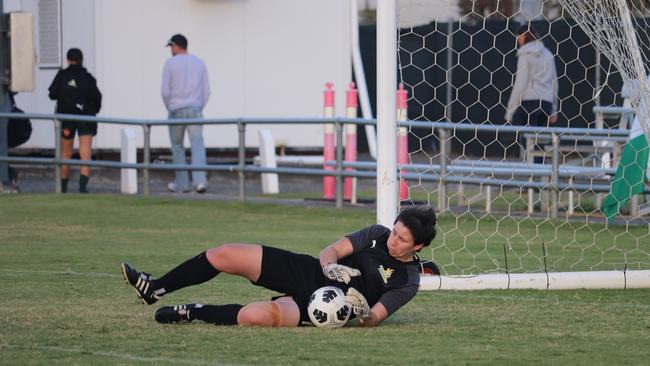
[[518, 195]]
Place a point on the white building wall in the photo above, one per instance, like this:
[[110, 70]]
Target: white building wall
[[266, 58]]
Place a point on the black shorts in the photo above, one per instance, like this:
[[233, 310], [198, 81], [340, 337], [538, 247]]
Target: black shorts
[[295, 275], [82, 128]]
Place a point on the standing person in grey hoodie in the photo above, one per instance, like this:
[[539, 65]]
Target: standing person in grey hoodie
[[533, 101], [185, 91]]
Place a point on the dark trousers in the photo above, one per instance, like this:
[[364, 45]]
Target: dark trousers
[[534, 113]]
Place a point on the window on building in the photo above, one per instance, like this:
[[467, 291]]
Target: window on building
[[49, 23]]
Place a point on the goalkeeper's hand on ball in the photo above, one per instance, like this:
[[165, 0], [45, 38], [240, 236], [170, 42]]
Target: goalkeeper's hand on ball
[[339, 272], [358, 304]]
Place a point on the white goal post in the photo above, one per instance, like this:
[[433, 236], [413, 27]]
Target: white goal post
[[519, 203], [387, 184]]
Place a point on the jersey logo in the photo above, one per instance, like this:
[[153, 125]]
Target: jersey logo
[[374, 242], [385, 273], [72, 83]]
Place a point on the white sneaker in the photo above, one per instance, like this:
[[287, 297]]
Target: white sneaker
[[11, 189], [172, 188], [201, 188]]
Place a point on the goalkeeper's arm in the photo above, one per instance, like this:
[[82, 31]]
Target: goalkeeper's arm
[[335, 251], [367, 317], [329, 257], [378, 314]]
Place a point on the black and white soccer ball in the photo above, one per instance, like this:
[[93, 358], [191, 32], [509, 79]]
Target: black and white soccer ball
[[327, 308]]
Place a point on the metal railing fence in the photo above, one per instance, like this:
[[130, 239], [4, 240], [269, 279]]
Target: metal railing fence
[[443, 172]]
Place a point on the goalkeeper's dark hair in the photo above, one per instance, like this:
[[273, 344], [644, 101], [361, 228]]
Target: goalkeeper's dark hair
[[421, 221]]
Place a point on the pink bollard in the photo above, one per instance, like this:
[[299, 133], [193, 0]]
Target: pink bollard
[[402, 141], [329, 143], [352, 103]]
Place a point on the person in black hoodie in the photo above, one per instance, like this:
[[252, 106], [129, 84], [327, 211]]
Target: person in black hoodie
[[75, 91]]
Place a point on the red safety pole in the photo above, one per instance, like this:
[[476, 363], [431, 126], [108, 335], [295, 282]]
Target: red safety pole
[[402, 141], [329, 144], [352, 103]]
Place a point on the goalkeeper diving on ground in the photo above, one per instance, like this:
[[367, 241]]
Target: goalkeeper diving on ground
[[377, 268]]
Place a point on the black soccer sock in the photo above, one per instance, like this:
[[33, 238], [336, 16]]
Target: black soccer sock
[[83, 183], [64, 185], [217, 314], [192, 272]]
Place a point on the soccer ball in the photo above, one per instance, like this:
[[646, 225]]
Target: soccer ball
[[327, 308]]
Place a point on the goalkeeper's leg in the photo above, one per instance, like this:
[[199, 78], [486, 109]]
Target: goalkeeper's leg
[[239, 259], [282, 312]]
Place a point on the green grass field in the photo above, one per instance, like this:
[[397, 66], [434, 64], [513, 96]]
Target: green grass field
[[63, 301]]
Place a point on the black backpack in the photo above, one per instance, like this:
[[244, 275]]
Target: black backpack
[[19, 130]]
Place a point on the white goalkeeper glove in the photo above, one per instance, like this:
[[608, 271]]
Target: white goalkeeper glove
[[358, 303], [339, 272]]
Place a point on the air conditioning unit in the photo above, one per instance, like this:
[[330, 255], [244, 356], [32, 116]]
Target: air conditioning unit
[[22, 61]]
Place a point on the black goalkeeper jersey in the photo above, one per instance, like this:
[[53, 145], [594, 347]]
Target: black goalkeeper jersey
[[383, 278]]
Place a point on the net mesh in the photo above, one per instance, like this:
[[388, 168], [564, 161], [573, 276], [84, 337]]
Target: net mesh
[[512, 196], [619, 32]]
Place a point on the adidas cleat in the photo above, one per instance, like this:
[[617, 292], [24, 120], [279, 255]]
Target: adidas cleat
[[141, 282], [175, 314]]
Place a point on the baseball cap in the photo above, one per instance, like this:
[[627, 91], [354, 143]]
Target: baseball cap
[[177, 39]]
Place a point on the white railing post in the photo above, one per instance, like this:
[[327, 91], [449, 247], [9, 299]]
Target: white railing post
[[128, 155], [270, 183]]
